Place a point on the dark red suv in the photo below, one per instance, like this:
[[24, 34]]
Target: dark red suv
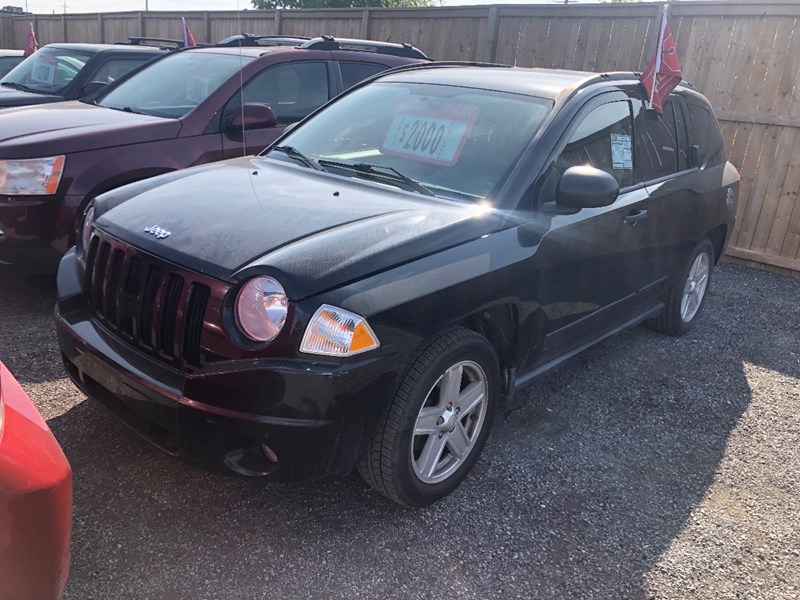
[[187, 108]]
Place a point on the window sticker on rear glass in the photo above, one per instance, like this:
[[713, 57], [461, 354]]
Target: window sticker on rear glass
[[44, 71], [430, 135], [621, 151]]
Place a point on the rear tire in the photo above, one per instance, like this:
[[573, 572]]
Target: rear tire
[[435, 428], [687, 298]]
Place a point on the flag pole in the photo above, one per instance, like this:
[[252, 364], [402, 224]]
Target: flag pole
[[662, 24]]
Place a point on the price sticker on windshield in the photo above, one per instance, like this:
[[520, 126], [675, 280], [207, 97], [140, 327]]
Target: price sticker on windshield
[[44, 72], [431, 136]]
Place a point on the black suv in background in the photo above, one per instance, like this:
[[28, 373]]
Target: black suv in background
[[370, 289], [59, 72]]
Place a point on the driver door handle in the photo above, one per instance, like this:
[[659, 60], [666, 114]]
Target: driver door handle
[[635, 216]]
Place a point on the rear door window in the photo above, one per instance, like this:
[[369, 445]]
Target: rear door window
[[682, 130], [114, 68], [356, 72], [604, 140], [657, 146]]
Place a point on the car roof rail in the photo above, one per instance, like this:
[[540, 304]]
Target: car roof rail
[[328, 42], [248, 39], [445, 64], [164, 43], [621, 76]]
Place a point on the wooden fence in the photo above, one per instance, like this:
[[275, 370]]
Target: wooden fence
[[744, 56]]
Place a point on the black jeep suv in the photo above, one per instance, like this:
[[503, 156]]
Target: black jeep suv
[[60, 72], [370, 289]]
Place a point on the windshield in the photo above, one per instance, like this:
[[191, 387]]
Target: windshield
[[174, 85], [47, 71], [454, 142]]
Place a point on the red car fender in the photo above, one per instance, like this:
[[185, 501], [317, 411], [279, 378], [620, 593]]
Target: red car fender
[[35, 501]]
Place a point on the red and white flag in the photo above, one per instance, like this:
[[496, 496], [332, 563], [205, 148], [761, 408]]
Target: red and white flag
[[663, 73], [31, 45], [188, 38]]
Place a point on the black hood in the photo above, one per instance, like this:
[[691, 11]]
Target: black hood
[[312, 230], [10, 97]]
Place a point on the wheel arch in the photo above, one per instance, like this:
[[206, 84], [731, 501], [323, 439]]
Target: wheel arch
[[498, 324], [718, 235]]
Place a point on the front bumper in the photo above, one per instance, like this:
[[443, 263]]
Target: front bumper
[[287, 419], [35, 231], [35, 501]]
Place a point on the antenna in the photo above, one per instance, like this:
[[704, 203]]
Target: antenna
[[241, 82]]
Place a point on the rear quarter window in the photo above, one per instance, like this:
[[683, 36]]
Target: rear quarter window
[[356, 72], [706, 134]]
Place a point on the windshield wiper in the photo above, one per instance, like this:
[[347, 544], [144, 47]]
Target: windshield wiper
[[381, 172], [23, 88], [293, 152], [126, 109]]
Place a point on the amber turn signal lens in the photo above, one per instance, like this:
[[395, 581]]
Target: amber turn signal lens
[[334, 331]]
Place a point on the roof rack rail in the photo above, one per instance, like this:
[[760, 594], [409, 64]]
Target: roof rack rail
[[151, 41], [445, 64], [328, 42], [620, 76], [248, 39]]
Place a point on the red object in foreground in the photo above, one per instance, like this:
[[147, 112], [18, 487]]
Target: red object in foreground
[[188, 38], [663, 72], [35, 500], [31, 45]]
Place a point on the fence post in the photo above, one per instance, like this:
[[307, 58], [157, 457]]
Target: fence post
[[5, 32], [208, 27], [277, 21], [365, 15], [64, 26], [141, 24], [492, 31], [100, 28]]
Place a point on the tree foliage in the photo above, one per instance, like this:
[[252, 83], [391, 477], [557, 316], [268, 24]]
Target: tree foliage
[[272, 4]]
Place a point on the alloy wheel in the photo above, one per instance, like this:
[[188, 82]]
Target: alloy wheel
[[695, 288], [449, 422]]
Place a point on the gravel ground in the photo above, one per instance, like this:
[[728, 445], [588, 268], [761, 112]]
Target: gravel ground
[[648, 467]]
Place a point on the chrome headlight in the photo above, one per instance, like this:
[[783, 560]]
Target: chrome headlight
[[31, 177], [334, 331], [86, 229], [261, 309]]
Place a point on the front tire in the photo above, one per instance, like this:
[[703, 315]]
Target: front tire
[[686, 299], [433, 432]]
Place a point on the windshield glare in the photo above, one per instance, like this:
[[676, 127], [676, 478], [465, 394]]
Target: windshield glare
[[174, 85], [458, 142], [48, 71]]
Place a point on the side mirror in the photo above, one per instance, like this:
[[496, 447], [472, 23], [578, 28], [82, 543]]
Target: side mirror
[[586, 187], [253, 116], [92, 87]]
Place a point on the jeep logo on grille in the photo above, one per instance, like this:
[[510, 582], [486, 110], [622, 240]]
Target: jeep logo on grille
[[157, 232]]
